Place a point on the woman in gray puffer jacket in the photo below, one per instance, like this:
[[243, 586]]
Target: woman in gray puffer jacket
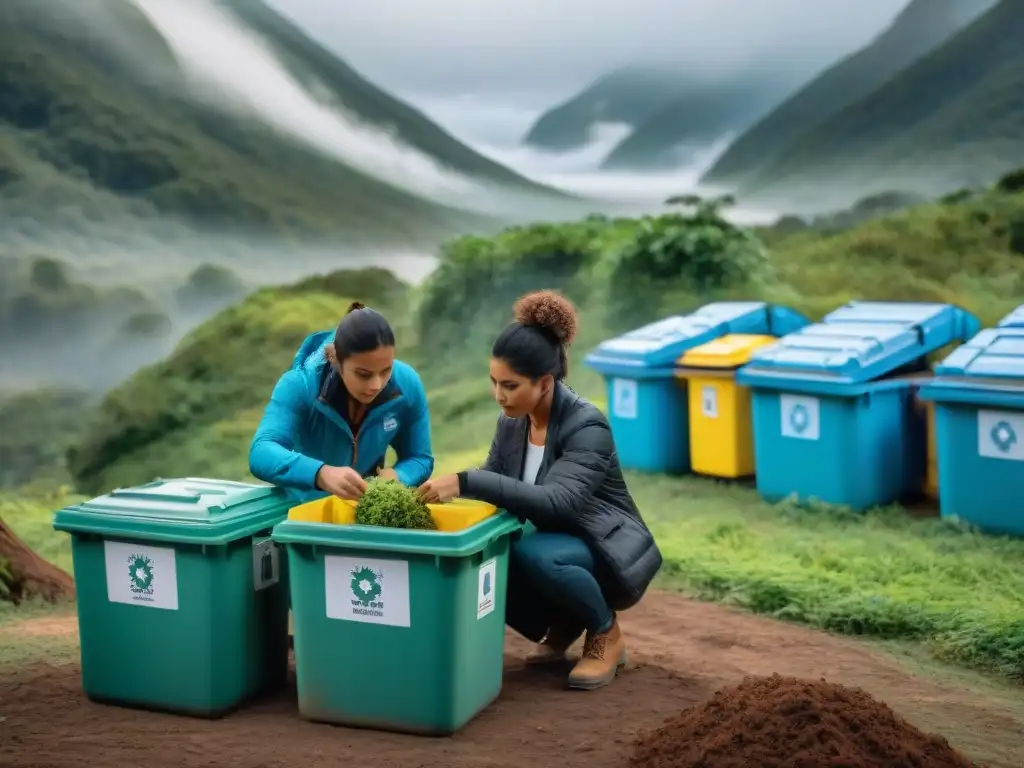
[[553, 463]]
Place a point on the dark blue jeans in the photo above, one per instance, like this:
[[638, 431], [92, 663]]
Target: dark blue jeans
[[552, 580]]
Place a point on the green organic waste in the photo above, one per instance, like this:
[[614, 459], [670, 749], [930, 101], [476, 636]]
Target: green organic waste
[[390, 504]]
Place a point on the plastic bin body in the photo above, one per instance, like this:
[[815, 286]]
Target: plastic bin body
[[182, 595], [647, 404], [394, 629], [858, 451], [834, 411], [978, 396], [721, 426]]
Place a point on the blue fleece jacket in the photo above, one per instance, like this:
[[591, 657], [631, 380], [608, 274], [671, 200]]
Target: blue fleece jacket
[[301, 430]]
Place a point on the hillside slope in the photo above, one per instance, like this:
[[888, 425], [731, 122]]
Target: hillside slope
[[694, 119], [918, 29], [195, 411], [96, 126], [625, 96], [955, 118]]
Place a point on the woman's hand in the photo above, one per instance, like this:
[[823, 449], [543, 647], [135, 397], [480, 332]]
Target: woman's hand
[[439, 489], [387, 474], [343, 482]]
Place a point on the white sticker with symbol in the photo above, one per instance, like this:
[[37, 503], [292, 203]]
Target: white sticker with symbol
[[1001, 435], [800, 417], [709, 401], [367, 590], [485, 588], [265, 563], [624, 404], [141, 575]]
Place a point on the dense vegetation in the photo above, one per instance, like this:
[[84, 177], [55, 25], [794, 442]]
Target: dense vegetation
[[96, 126], [880, 574], [954, 117], [922, 25]]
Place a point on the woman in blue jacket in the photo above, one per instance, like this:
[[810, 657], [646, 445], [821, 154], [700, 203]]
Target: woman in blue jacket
[[331, 417]]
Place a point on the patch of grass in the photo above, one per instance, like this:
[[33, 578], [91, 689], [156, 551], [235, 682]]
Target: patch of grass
[[880, 574]]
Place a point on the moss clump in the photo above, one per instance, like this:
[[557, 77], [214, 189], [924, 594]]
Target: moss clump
[[390, 504]]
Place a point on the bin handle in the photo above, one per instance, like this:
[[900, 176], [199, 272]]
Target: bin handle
[[131, 493]]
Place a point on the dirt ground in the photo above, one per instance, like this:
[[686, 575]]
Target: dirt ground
[[682, 651]]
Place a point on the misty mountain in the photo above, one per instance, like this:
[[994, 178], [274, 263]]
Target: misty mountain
[[625, 96], [695, 118], [99, 122], [918, 29], [953, 119], [315, 65]]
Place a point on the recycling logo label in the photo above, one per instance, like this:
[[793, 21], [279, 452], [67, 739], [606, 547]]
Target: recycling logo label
[[366, 587], [800, 417], [999, 435], [141, 575], [368, 590], [140, 572]]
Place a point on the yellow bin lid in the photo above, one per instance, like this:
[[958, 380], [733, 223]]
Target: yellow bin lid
[[729, 351]]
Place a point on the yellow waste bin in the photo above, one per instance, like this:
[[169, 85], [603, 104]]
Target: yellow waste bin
[[451, 516], [721, 429], [931, 477]]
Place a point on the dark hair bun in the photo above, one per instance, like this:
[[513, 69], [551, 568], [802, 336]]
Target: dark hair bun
[[354, 306], [550, 310]]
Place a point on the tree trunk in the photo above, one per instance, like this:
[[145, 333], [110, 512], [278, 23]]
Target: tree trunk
[[30, 575]]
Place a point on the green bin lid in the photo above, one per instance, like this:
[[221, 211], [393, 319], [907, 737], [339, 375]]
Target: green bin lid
[[454, 544], [190, 510]]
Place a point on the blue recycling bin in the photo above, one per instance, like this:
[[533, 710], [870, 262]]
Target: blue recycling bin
[[648, 409], [833, 404], [978, 393]]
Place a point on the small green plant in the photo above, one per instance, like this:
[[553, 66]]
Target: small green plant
[[390, 504]]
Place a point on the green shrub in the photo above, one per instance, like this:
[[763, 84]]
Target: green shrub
[[1012, 181], [696, 253], [390, 504], [479, 278]]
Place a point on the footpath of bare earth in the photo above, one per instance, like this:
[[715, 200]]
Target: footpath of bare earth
[[682, 651]]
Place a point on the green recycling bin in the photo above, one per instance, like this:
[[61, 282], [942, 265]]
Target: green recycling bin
[[182, 594], [398, 630]]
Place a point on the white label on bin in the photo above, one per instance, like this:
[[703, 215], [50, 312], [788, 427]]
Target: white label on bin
[[367, 590], [709, 401], [1001, 435], [265, 563], [624, 404], [485, 587], [800, 417], [138, 574]]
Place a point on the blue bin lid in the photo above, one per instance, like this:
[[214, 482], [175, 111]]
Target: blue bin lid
[[188, 510], [995, 353], [862, 341], [1013, 320], [661, 344]]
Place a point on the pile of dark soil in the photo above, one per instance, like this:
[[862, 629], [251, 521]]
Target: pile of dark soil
[[783, 722]]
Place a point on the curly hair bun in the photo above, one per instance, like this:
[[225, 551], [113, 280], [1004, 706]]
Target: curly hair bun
[[550, 310]]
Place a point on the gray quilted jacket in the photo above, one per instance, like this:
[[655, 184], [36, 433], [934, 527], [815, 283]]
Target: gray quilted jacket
[[579, 490]]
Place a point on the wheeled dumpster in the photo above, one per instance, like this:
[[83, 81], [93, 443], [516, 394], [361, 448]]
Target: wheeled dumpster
[[978, 397], [648, 409], [182, 596], [833, 403]]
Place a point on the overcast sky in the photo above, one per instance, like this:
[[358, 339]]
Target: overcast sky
[[512, 49]]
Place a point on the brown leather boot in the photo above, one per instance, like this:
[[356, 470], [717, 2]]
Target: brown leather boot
[[603, 656], [553, 647]]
